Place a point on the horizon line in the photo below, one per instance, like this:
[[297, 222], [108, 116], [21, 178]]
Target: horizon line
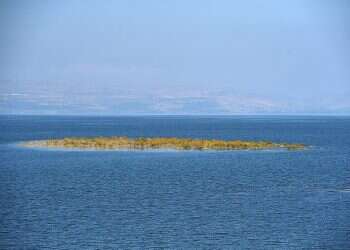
[[174, 115]]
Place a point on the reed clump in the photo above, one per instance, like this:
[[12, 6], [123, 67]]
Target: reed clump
[[160, 143]]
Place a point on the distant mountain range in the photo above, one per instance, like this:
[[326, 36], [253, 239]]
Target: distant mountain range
[[41, 102]]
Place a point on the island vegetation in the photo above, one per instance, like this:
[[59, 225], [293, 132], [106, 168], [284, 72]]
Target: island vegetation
[[159, 143]]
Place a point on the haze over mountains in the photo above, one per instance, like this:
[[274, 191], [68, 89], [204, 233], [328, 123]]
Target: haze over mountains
[[178, 57], [158, 101]]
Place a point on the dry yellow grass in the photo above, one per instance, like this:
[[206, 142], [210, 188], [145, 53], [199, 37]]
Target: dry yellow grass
[[160, 143]]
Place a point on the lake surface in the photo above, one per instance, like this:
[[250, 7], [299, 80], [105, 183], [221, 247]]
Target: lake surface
[[272, 199]]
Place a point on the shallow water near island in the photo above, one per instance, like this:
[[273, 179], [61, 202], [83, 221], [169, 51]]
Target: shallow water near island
[[265, 199]]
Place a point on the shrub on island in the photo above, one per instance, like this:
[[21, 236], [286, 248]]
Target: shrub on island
[[161, 143]]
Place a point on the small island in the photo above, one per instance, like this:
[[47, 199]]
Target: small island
[[142, 143]]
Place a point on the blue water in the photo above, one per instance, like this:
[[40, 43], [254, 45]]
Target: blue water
[[178, 200]]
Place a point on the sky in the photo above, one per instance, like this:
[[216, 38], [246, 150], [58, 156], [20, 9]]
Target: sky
[[174, 57]]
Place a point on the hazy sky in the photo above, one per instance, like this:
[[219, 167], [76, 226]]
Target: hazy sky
[[174, 57]]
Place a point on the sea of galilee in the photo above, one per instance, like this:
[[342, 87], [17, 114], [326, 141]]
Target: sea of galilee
[[176, 199]]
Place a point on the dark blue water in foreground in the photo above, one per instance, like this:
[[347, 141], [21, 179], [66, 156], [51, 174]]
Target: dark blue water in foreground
[[207, 200]]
